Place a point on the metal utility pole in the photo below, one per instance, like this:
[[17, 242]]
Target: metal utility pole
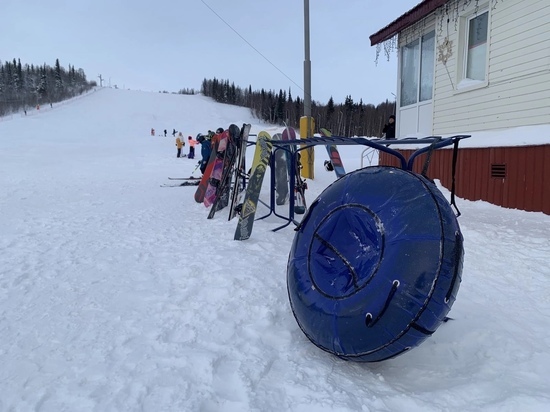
[[307, 63], [306, 122]]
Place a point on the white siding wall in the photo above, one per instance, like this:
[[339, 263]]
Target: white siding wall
[[518, 89]]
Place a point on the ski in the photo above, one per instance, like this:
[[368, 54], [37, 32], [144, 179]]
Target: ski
[[281, 173], [192, 183], [334, 155], [239, 181], [262, 155], [185, 178], [221, 196]]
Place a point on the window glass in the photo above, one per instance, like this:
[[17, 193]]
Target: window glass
[[427, 66], [409, 73], [477, 47]]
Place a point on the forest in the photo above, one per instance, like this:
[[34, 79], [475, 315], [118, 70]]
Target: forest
[[23, 86], [347, 119]]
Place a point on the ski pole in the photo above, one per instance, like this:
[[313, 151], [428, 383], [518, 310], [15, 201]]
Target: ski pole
[[196, 167]]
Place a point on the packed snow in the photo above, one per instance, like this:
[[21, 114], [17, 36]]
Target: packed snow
[[117, 294]]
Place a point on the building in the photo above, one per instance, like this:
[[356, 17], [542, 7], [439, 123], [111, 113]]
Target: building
[[469, 66]]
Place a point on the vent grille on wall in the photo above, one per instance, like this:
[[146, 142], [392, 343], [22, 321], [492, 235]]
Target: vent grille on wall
[[498, 170]]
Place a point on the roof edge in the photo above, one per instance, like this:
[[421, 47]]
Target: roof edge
[[414, 15]]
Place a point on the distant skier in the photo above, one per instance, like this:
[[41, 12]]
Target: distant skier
[[174, 132], [165, 132], [152, 131]]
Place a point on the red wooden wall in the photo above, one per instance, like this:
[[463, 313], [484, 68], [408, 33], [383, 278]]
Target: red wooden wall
[[512, 177]]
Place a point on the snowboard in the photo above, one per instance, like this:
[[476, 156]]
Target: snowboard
[[221, 198], [281, 173], [203, 184], [333, 155], [217, 169], [240, 172], [300, 185], [262, 155]]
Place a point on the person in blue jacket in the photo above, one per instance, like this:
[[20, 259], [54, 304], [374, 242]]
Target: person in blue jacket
[[206, 149]]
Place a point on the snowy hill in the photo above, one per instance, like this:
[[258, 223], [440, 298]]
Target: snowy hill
[[117, 294]]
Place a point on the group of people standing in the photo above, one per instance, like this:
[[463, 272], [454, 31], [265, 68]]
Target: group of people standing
[[205, 140], [180, 143]]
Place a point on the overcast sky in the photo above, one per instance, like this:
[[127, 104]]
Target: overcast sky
[[170, 45]]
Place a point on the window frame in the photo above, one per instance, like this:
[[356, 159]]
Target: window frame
[[418, 71], [463, 83]]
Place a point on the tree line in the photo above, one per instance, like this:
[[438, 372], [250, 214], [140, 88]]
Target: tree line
[[346, 119], [23, 86]]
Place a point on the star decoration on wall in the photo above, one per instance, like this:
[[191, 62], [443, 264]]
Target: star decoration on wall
[[445, 50]]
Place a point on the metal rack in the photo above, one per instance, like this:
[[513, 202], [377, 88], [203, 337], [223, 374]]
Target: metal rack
[[431, 142]]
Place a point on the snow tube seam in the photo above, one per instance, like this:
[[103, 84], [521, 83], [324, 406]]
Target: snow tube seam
[[346, 262]]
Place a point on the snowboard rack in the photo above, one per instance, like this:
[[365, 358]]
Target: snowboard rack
[[432, 142]]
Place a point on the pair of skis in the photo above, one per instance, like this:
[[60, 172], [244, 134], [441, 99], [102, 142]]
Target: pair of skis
[[187, 181]]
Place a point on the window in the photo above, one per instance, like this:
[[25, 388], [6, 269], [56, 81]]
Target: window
[[409, 73], [476, 53], [427, 67], [417, 70]]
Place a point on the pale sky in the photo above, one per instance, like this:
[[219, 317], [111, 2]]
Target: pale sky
[[175, 44]]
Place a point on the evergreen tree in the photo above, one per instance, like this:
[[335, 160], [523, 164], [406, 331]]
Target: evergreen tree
[[58, 79], [330, 112], [280, 107], [42, 89]]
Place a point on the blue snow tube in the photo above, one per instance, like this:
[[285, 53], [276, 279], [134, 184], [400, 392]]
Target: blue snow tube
[[375, 264]]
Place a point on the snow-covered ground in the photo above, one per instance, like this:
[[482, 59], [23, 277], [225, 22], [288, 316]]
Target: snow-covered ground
[[119, 295]]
